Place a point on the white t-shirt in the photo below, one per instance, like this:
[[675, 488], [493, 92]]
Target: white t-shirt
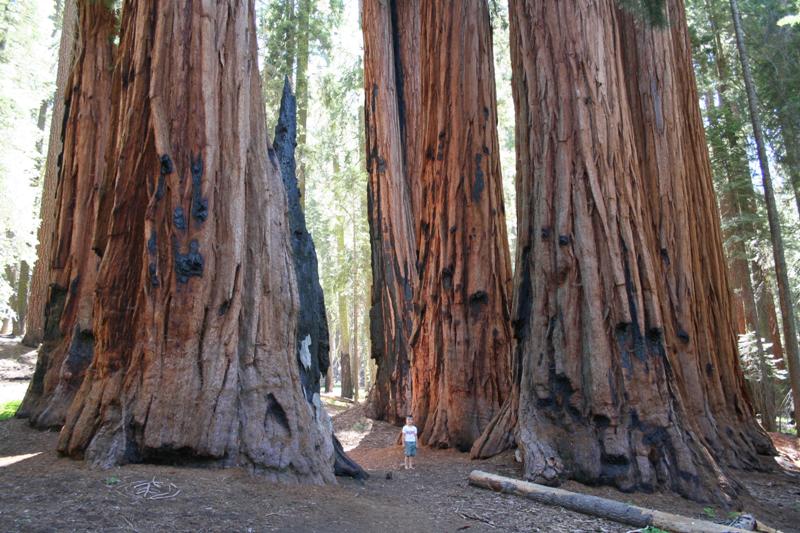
[[409, 433]]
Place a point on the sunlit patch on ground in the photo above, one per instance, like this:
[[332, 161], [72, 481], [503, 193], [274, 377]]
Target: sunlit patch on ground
[[11, 459]]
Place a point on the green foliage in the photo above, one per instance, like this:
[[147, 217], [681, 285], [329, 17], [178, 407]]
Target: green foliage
[[751, 364], [710, 512], [653, 529], [8, 409]]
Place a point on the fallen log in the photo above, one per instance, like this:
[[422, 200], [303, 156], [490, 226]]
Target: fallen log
[[601, 507]]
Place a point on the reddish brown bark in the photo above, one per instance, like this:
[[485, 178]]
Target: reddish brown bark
[[675, 165], [39, 291], [68, 336], [392, 98], [196, 308], [462, 338], [627, 371]]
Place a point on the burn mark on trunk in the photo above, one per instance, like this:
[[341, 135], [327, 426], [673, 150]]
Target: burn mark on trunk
[[477, 300], [179, 218], [166, 165], [545, 232], [53, 311], [478, 185], [199, 204], [189, 264], [79, 355], [564, 240], [447, 278], [152, 244]]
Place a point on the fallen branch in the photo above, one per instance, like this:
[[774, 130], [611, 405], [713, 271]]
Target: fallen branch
[[600, 507]]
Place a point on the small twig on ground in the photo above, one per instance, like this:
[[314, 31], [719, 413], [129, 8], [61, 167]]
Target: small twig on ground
[[471, 516], [130, 524]]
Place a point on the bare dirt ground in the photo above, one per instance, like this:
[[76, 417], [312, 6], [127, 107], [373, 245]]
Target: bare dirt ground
[[40, 491]]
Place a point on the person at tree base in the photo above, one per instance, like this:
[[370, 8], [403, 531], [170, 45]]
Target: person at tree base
[[409, 442]]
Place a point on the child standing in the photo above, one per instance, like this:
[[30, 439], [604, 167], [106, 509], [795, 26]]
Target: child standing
[[410, 442]]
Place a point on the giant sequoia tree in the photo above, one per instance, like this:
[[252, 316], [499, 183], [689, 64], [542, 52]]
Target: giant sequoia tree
[[626, 365], [391, 81], [462, 337], [196, 303], [68, 339]]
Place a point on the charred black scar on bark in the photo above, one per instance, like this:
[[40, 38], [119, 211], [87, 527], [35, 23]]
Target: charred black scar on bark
[[189, 264], [199, 203]]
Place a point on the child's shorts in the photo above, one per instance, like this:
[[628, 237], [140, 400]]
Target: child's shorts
[[411, 449]]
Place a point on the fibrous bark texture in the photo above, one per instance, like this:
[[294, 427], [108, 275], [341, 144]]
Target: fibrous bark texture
[[628, 372], [68, 335], [197, 302], [39, 292], [313, 348], [462, 337], [389, 75]]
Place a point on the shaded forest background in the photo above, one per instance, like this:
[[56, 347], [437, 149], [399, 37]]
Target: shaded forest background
[[317, 45]]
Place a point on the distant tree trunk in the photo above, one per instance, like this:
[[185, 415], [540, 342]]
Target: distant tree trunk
[[196, 311], [355, 368], [345, 360], [39, 289], [791, 159], [739, 210], [626, 343], [329, 379], [462, 339], [10, 275], [21, 304], [68, 341], [303, 35], [391, 31], [781, 274]]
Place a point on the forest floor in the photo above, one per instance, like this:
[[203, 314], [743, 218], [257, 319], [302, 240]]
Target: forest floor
[[40, 491]]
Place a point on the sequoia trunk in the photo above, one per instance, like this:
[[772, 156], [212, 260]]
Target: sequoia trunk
[[628, 372], [196, 310], [391, 82], [39, 291], [68, 340], [462, 338]]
